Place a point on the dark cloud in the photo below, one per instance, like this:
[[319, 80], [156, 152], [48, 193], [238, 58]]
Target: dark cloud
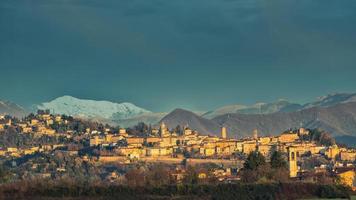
[[143, 51]]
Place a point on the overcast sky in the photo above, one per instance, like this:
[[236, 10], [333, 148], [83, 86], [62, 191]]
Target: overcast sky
[[163, 54]]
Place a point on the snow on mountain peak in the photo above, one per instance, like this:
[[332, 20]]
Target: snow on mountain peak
[[332, 99], [69, 105]]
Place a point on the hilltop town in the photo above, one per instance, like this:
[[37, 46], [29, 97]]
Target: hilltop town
[[48, 146]]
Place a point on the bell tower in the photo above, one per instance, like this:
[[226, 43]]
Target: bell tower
[[223, 132], [292, 161], [255, 134], [163, 129]]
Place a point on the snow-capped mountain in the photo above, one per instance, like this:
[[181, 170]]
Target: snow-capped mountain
[[258, 108], [72, 106], [282, 106], [332, 99]]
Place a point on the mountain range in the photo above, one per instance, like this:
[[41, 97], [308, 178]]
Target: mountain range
[[282, 105], [332, 99], [107, 110], [334, 113], [9, 108], [186, 118], [258, 108], [339, 120]]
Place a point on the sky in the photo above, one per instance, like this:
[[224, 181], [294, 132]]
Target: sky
[[164, 54]]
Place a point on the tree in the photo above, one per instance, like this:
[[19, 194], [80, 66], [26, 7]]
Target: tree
[[178, 129], [277, 161], [158, 175], [280, 174], [4, 175], [255, 168], [141, 127], [135, 177], [321, 137], [254, 160], [191, 176]]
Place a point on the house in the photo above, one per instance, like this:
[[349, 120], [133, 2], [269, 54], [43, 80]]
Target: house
[[249, 147], [348, 156], [2, 152], [34, 122], [158, 151], [264, 140], [288, 137], [134, 140], [333, 152], [129, 151], [346, 176], [31, 150], [207, 151]]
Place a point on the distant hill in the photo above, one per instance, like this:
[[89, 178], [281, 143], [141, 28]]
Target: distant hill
[[9, 108], [187, 118], [147, 118], [332, 99], [334, 113], [338, 120], [282, 106], [258, 108], [92, 109]]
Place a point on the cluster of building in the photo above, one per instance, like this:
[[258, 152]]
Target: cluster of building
[[162, 142], [17, 152], [38, 125], [163, 145]]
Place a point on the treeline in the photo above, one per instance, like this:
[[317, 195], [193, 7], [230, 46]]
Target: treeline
[[257, 169], [320, 137], [83, 190], [12, 138], [31, 166]]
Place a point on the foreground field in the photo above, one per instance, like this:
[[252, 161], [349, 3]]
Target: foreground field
[[352, 197], [270, 191]]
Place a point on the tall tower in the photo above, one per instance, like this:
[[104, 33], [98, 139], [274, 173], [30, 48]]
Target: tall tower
[[163, 129], [223, 132], [292, 161], [255, 134], [9, 122]]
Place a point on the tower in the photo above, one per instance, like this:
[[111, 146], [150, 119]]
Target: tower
[[255, 134], [9, 122], [223, 132], [333, 152], [187, 131], [292, 162], [163, 129]]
